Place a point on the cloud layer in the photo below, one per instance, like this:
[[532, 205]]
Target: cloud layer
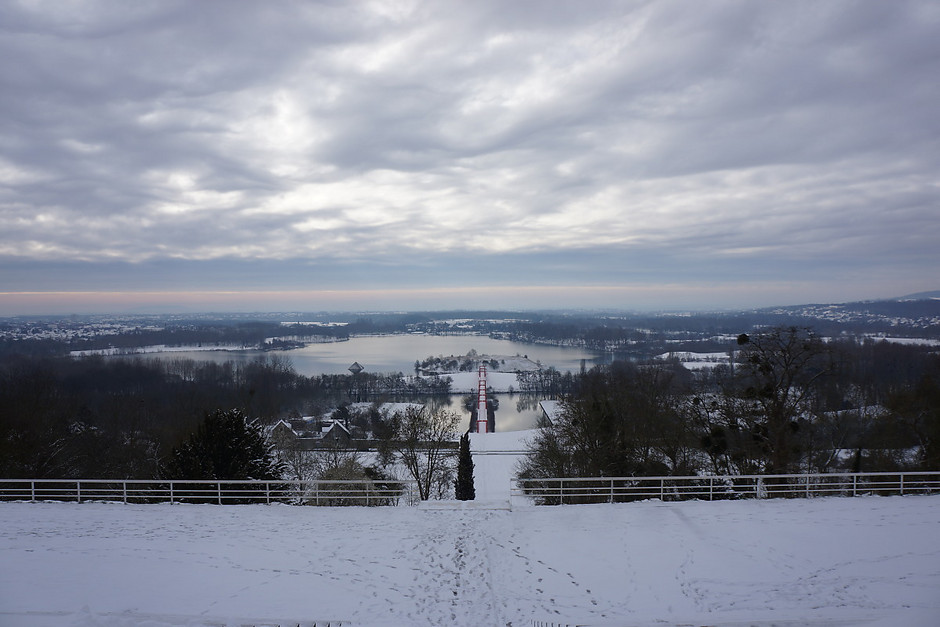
[[373, 145]]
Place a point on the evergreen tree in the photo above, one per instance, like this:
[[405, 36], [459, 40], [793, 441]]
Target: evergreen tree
[[225, 446], [464, 483]]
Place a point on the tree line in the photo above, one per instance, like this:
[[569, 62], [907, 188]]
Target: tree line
[[788, 402], [100, 417]]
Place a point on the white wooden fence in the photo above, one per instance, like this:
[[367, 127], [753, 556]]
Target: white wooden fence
[[221, 492], [554, 491], [570, 490]]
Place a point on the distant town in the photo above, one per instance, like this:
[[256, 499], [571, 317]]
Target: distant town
[[633, 335]]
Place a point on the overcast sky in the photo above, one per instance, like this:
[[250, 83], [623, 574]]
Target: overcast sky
[[159, 156]]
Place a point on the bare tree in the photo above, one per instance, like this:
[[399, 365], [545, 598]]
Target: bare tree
[[624, 420], [298, 463], [424, 443], [335, 462], [778, 371]]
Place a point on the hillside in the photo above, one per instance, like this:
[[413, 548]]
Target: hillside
[[835, 561]]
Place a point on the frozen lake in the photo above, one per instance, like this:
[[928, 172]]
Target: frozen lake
[[398, 353]]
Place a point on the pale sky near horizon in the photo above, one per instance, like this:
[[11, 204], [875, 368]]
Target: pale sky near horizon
[[247, 156]]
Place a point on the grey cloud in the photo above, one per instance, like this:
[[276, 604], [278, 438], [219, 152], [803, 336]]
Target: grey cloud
[[801, 132]]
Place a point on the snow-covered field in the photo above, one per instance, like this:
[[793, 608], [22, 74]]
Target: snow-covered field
[[159, 348], [697, 361], [464, 382], [834, 561], [905, 340]]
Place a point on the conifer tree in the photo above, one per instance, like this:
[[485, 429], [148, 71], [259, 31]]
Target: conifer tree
[[464, 484], [225, 446]]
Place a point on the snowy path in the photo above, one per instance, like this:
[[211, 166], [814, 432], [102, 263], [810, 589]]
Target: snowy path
[[787, 562], [495, 456]]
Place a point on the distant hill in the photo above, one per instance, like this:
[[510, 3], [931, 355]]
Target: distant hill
[[922, 296], [916, 311]]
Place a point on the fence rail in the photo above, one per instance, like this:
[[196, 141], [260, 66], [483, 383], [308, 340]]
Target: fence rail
[[570, 490], [220, 492]]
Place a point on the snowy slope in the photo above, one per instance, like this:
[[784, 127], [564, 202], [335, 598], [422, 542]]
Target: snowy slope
[[785, 562], [495, 456]]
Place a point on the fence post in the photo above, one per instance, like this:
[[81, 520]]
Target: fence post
[[267, 493], [32, 491], [711, 488], [611, 491], [78, 490], [807, 486], [124, 489], [902, 483], [854, 485], [171, 492], [662, 489], [219, 488], [561, 491]]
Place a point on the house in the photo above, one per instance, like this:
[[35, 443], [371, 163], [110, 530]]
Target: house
[[336, 434], [348, 427], [282, 434]]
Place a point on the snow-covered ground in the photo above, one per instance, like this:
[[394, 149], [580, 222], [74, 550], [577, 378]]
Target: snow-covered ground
[[495, 456], [904, 340], [464, 382], [159, 348], [697, 361], [833, 561]]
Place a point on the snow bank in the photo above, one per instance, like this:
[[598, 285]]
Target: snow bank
[[873, 560]]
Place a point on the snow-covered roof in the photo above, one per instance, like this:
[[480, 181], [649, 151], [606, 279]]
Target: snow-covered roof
[[551, 409], [335, 423], [282, 424], [398, 408]]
